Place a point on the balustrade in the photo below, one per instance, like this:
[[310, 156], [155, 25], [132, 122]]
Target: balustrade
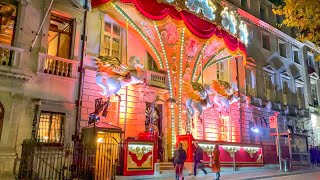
[[10, 56], [156, 79], [57, 66]]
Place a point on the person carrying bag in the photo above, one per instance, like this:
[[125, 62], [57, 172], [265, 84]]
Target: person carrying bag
[[179, 158]]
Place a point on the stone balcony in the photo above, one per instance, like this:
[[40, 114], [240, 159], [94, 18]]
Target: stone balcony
[[57, 67], [12, 73], [10, 59], [156, 79]]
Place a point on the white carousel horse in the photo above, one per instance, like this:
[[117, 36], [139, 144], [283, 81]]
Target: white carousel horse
[[200, 104], [224, 102], [120, 76]]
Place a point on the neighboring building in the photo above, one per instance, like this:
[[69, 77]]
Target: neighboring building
[[45, 76], [280, 76], [281, 70]]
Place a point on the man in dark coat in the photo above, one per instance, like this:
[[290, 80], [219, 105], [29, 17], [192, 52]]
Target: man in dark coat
[[198, 157], [180, 157]]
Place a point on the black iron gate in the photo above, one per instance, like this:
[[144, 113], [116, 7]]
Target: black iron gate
[[39, 161], [107, 158]]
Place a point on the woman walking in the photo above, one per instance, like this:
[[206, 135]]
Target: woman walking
[[179, 158], [216, 161]]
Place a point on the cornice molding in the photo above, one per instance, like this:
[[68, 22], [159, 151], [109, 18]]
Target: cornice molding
[[269, 28]]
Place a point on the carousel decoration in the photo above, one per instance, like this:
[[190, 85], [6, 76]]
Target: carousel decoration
[[231, 150], [140, 156], [153, 115], [198, 97], [99, 106], [225, 95], [229, 21], [186, 38], [251, 150], [208, 149], [113, 75]]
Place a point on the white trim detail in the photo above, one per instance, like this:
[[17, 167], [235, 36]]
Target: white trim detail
[[269, 69], [285, 75]]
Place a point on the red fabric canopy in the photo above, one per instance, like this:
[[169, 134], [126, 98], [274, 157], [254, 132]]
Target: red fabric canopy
[[199, 27]]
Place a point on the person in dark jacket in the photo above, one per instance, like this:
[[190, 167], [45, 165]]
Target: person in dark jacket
[[198, 157], [180, 157]]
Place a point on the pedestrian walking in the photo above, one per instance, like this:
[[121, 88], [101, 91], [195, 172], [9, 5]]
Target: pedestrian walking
[[312, 155], [180, 157], [317, 155], [216, 161], [198, 159]]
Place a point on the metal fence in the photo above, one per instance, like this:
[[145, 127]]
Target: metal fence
[[44, 161]]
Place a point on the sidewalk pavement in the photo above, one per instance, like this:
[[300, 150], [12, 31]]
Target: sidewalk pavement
[[246, 175]]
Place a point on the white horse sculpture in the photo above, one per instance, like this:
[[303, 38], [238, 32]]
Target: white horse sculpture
[[223, 101], [198, 98], [112, 75]]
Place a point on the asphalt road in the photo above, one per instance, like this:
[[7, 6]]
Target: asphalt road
[[307, 176]]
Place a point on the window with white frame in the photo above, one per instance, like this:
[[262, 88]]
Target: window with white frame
[[285, 86], [310, 57], [299, 89], [265, 41], [282, 48], [314, 95], [295, 55], [51, 127], [60, 36], [269, 85], [222, 71], [250, 82], [111, 40]]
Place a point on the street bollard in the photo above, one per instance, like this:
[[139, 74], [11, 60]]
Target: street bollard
[[285, 165]]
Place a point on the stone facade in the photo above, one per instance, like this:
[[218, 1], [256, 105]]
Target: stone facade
[[23, 83]]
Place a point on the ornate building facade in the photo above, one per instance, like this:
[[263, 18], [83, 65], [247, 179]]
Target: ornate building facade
[[44, 94]]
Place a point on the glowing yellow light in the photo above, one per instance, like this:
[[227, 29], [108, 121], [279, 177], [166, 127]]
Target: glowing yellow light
[[99, 140]]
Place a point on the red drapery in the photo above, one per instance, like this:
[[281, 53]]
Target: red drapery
[[199, 27]]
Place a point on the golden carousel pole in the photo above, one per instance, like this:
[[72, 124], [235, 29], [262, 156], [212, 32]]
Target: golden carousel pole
[[126, 89], [203, 124]]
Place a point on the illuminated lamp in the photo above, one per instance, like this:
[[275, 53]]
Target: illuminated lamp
[[99, 140], [255, 129]]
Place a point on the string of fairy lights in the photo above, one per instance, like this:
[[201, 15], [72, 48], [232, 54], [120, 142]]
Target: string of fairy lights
[[170, 87], [136, 27], [197, 61], [180, 81]]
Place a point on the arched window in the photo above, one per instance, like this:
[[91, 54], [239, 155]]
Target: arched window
[[1, 118]]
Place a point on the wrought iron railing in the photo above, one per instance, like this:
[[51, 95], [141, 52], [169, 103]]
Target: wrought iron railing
[[43, 161], [10, 56], [156, 79], [57, 66]]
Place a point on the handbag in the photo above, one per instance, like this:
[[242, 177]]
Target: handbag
[[201, 165]]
